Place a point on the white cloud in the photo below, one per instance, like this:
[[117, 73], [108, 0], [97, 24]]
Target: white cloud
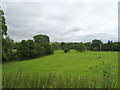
[[62, 21], [60, 0]]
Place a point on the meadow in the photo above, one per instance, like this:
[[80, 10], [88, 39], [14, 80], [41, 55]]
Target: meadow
[[90, 69]]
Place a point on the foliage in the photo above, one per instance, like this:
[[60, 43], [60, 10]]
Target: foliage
[[96, 44], [3, 26], [31, 49], [7, 46], [44, 41], [80, 47], [63, 45], [66, 50], [7, 42], [41, 39], [88, 45], [95, 49], [48, 48], [28, 49], [108, 72], [56, 46]]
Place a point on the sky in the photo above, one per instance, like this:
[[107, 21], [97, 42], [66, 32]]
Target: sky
[[62, 20]]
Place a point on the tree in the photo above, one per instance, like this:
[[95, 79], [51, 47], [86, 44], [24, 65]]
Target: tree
[[34, 48], [48, 48], [116, 46], [3, 26], [7, 43], [96, 43], [41, 51], [41, 39], [105, 47], [110, 45], [80, 47], [28, 49], [88, 45], [7, 46], [56, 46], [63, 45]]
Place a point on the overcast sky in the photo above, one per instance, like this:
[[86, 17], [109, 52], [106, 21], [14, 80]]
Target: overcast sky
[[62, 20]]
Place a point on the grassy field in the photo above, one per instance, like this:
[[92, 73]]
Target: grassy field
[[74, 64]]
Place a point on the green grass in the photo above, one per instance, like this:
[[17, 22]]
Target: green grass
[[86, 65], [60, 62]]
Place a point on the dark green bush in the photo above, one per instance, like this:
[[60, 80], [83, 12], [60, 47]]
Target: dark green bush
[[66, 50]]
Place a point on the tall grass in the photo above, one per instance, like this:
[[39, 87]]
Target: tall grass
[[26, 80]]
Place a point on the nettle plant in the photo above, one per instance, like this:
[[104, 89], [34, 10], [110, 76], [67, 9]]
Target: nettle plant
[[108, 72]]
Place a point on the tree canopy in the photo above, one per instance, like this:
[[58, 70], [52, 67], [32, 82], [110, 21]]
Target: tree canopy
[[39, 39], [3, 26]]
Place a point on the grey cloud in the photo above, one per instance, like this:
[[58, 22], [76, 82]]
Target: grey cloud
[[75, 29], [61, 21]]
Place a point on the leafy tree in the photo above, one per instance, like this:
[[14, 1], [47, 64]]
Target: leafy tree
[[7, 43], [63, 45], [26, 49], [7, 46], [105, 47], [70, 45], [41, 39], [88, 45], [48, 48], [116, 46], [96, 43], [80, 47], [41, 51], [56, 46], [22, 50], [3, 26], [109, 45], [31, 49]]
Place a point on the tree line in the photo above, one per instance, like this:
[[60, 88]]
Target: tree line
[[27, 49], [95, 45]]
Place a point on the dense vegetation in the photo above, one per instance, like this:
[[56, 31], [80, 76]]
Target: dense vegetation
[[33, 48], [7, 43], [26, 49], [95, 45]]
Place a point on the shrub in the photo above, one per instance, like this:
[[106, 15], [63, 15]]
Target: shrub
[[66, 50], [29, 49]]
